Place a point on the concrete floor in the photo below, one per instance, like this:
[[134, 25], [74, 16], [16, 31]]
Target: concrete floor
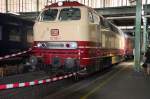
[[119, 82], [122, 82]]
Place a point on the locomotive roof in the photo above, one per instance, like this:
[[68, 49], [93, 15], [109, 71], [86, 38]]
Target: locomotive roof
[[75, 3], [68, 4], [65, 4]]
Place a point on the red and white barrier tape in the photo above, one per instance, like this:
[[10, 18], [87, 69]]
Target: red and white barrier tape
[[16, 54], [35, 82]]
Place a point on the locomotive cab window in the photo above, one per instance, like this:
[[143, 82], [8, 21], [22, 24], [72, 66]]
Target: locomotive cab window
[[70, 14], [48, 15]]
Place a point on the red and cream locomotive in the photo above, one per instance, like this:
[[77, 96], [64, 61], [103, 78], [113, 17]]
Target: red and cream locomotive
[[71, 36]]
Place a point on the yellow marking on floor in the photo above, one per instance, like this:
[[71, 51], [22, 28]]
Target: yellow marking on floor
[[101, 85]]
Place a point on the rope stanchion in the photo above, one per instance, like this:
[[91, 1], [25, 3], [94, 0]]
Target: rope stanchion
[[35, 82]]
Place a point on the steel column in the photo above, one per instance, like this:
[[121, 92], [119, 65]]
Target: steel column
[[37, 5], [19, 5], [103, 3], [6, 6], [145, 28], [137, 51], [144, 34], [22, 5], [88, 3], [47, 2]]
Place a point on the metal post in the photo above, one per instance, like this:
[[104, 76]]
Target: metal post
[[104, 3], [6, 6], [13, 10], [137, 50], [31, 5], [25, 5], [144, 34], [47, 2], [19, 5], [144, 27], [22, 5], [95, 4], [37, 5]]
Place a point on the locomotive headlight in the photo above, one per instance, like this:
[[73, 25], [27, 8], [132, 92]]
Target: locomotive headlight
[[60, 3], [73, 45], [39, 45]]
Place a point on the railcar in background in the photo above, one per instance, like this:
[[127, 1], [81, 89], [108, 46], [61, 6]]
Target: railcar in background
[[15, 36], [129, 46], [70, 36]]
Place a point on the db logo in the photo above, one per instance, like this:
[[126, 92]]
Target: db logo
[[54, 32]]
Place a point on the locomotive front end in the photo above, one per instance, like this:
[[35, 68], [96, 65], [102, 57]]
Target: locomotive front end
[[58, 33]]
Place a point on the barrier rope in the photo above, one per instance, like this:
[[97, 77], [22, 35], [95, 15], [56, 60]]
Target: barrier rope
[[30, 83], [35, 82], [14, 55]]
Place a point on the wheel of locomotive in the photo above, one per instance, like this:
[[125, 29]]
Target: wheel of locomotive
[[33, 60]]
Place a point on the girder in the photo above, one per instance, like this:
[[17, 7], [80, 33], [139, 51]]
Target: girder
[[121, 16]]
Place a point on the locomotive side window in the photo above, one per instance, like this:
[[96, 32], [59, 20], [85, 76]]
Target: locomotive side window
[[70, 14], [14, 35], [48, 15]]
